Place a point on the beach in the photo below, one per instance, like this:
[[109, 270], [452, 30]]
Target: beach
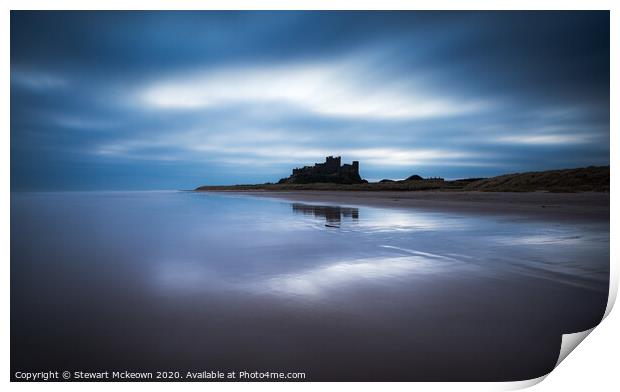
[[584, 206], [342, 286]]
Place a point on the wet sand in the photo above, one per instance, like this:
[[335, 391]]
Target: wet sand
[[585, 206], [152, 281]]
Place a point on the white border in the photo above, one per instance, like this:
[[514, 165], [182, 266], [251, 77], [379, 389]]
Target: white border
[[593, 365], [311, 5]]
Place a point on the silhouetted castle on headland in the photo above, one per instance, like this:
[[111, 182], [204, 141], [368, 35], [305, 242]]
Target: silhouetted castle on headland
[[330, 171]]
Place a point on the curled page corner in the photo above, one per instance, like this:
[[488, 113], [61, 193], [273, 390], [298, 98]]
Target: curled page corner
[[569, 342], [572, 340], [613, 291], [523, 384]]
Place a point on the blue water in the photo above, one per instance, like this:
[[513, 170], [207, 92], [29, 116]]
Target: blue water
[[199, 281]]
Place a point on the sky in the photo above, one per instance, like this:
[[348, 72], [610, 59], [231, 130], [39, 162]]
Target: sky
[[174, 100]]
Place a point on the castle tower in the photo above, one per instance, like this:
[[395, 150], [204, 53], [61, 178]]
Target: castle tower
[[332, 165]]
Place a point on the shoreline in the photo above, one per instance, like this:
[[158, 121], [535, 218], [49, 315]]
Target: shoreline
[[583, 206]]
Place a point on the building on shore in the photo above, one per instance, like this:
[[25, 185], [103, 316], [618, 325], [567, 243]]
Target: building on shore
[[330, 171]]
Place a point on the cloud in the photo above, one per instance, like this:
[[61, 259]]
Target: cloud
[[36, 80], [565, 134], [336, 89], [83, 123], [408, 156], [269, 148], [545, 139]]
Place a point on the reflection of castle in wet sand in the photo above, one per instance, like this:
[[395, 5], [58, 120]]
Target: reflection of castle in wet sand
[[332, 214]]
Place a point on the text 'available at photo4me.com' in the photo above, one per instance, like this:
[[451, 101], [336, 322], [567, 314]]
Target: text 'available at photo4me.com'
[[203, 375]]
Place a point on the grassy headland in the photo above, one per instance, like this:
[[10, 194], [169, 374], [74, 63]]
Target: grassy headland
[[587, 179]]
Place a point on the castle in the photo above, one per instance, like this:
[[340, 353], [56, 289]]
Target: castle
[[329, 171]]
